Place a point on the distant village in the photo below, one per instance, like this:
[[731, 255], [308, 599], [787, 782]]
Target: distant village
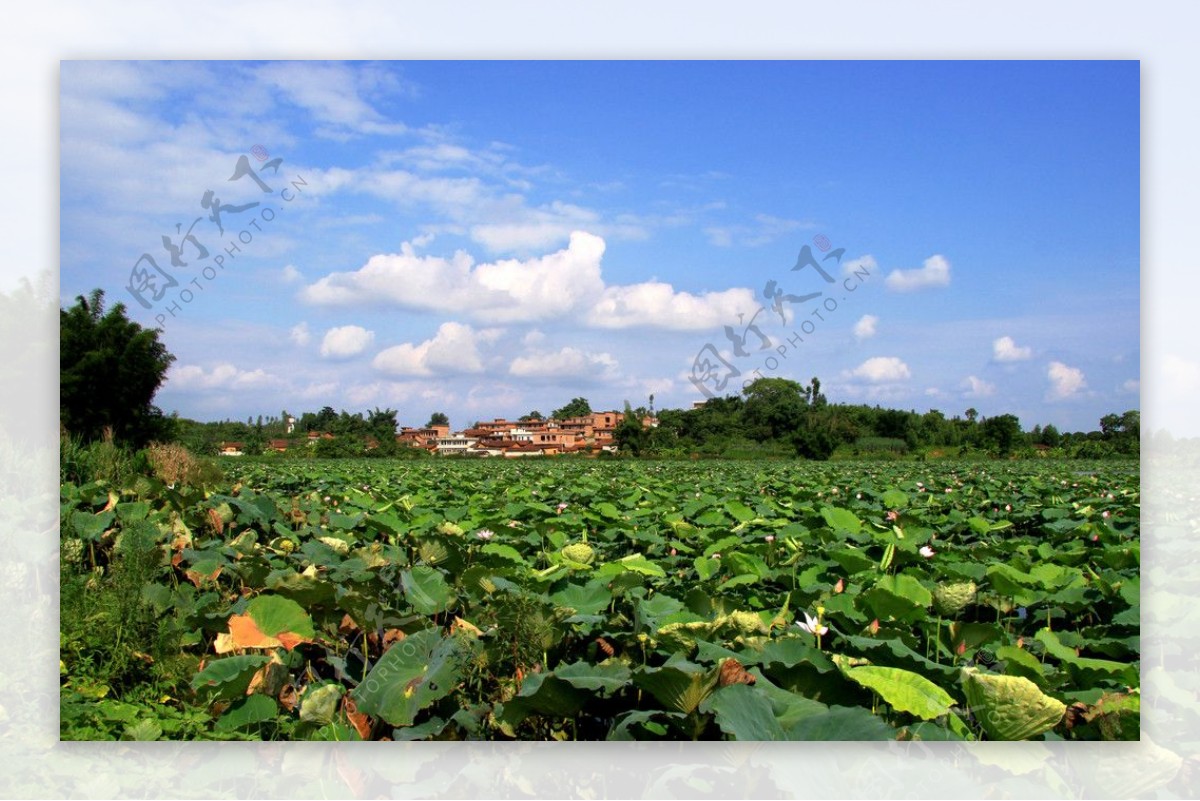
[[586, 434]]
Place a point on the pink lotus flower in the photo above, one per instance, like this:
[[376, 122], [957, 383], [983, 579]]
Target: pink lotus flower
[[485, 534], [926, 551]]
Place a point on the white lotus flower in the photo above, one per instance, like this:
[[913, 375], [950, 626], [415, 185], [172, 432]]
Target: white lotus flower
[[812, 625], [926, 551], [485, 534]]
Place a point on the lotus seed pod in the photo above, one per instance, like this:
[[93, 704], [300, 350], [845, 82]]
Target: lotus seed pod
[[950, 599], [579, 552], [287, 546], [1010, 707], [452, 529]]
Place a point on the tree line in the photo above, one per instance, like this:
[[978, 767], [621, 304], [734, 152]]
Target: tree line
[[111, 368]]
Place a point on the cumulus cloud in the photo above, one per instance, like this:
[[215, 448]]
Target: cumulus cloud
[[290, 274], [934, 273], [1065, 382], [300, 334], [566, 363], [564, 283], [453, 349], [881, 370], [865, 327], [508, 290], [345, 341], [1005, 349], [223, 376], [975, 387], [655, 304]]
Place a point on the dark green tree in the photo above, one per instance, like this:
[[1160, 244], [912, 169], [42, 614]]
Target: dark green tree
[[534, 415], [109, 370], [630, 435], [1002, 432], [578, 407], [437, 419]]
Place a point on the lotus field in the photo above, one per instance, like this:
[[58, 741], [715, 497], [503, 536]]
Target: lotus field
[[621, 600]]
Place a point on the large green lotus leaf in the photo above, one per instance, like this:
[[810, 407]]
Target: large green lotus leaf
[[840, 519], [634, 563], [1010, 707], [1019, 662], [898, 597], [411, 675], [841, 723], [228, 677], [904, 690], [606, 678], [585, 599], [895, 499], [743, 713], [426, 590], [678, 688], [275, 616], [1092, 669], [739, 511], [892, 652], [543, 694], [246, 712]]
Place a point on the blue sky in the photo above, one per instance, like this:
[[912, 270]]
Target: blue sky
[[487, 238]]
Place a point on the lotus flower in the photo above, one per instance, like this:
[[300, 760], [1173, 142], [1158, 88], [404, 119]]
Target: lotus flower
[[812, 625], [485, 534], [926, 551]]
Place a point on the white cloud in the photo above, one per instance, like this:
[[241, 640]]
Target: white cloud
[[566, 363], [223, 376], [508, 290], [935, 273], [975, 387], [319, 390], [533, 337], [300, 334], [333, 93], [564, 283], [290, 274], [1065, 382], [865, 327], [1005, 349], [765, 228], [657, 305], [881, 370], [867, 263], [453, 349], [345, 341], [1132, 385]]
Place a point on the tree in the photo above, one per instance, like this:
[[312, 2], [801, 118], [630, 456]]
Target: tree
[[534, 415], [437, 419], [1002, 432], [578, 407], [630, 435], [109, 370]]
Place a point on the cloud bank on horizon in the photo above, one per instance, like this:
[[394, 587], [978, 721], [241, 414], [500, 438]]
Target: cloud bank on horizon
[[485, 239]]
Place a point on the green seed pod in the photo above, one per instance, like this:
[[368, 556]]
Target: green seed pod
[[950, 599], [452, 529], [287, 546], [579, 552]]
